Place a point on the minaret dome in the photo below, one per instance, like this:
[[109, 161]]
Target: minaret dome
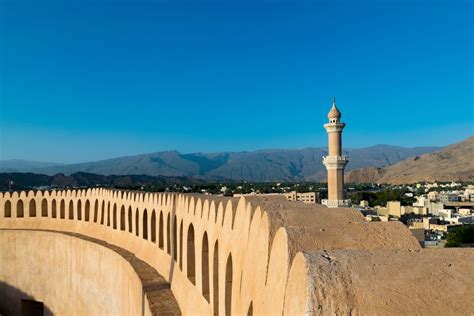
[[334, 114]]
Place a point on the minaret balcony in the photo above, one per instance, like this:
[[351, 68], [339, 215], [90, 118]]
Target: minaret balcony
[[335, 162], [342, 158], [334, 127]]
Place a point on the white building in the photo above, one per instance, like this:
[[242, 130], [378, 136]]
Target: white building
[[308, 198], [448, 197], [446, 214], [364, 203]]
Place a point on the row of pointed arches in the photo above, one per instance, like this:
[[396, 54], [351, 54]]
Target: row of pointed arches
[[124, 219]]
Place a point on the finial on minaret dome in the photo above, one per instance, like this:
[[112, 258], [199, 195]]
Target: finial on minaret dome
[[334, 113]]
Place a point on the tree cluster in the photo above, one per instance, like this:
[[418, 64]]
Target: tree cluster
[[460, 235]]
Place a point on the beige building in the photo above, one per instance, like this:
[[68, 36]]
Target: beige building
[[307, 197], [434, 208], [364, 203], [444, 227], [428, 221], [420, 210], [394, 208], [335, 162], [381, 210], [433, 195]]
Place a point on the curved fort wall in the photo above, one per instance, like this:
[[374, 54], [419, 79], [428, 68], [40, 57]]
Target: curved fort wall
[[255, 256], [62, 271]]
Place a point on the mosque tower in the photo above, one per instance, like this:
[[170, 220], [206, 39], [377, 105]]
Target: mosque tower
[[335, 162]]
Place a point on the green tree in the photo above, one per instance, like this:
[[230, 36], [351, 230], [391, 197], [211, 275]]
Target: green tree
[[461, 235]]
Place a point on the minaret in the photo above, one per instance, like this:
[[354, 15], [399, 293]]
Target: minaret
[[335, 162]]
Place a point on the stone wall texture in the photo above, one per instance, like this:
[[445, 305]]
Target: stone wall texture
[[262, 256]]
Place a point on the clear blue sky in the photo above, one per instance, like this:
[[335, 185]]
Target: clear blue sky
[[88, 80]]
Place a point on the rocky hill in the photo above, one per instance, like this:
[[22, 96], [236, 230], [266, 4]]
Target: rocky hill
[[453, 163], [261, 165], [18, 165], [26, 181]]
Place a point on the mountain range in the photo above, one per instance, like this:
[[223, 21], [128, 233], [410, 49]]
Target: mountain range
[[19, 165], [258, 166], [25, 181], [452, 163]]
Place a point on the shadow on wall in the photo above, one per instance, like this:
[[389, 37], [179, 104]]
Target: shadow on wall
[[11, 302]]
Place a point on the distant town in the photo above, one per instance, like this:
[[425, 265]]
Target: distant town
[[430, 210]]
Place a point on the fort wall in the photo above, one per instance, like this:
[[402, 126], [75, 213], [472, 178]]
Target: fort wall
[[239, 256], [69, 275]]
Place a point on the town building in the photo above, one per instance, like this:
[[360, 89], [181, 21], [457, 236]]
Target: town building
[[428, 221], [382, 211], [394, 208], [421, 201], [448, 197], [308, 197], [433, 195], [364, 203], [434, 208]]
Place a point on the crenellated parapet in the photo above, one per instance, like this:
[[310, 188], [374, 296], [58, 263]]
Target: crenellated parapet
[[262, 256]]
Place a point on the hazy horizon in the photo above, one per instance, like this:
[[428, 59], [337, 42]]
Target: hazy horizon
[[209, 152], [82, 82]]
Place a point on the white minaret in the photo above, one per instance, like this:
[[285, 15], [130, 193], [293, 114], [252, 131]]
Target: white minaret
[[335, 162]]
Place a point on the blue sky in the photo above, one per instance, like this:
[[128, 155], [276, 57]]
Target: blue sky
[[88, 80]]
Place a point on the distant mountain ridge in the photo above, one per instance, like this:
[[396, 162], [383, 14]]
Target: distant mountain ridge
[[262, 165], [24, 181], [19, 165], [452, 163]]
